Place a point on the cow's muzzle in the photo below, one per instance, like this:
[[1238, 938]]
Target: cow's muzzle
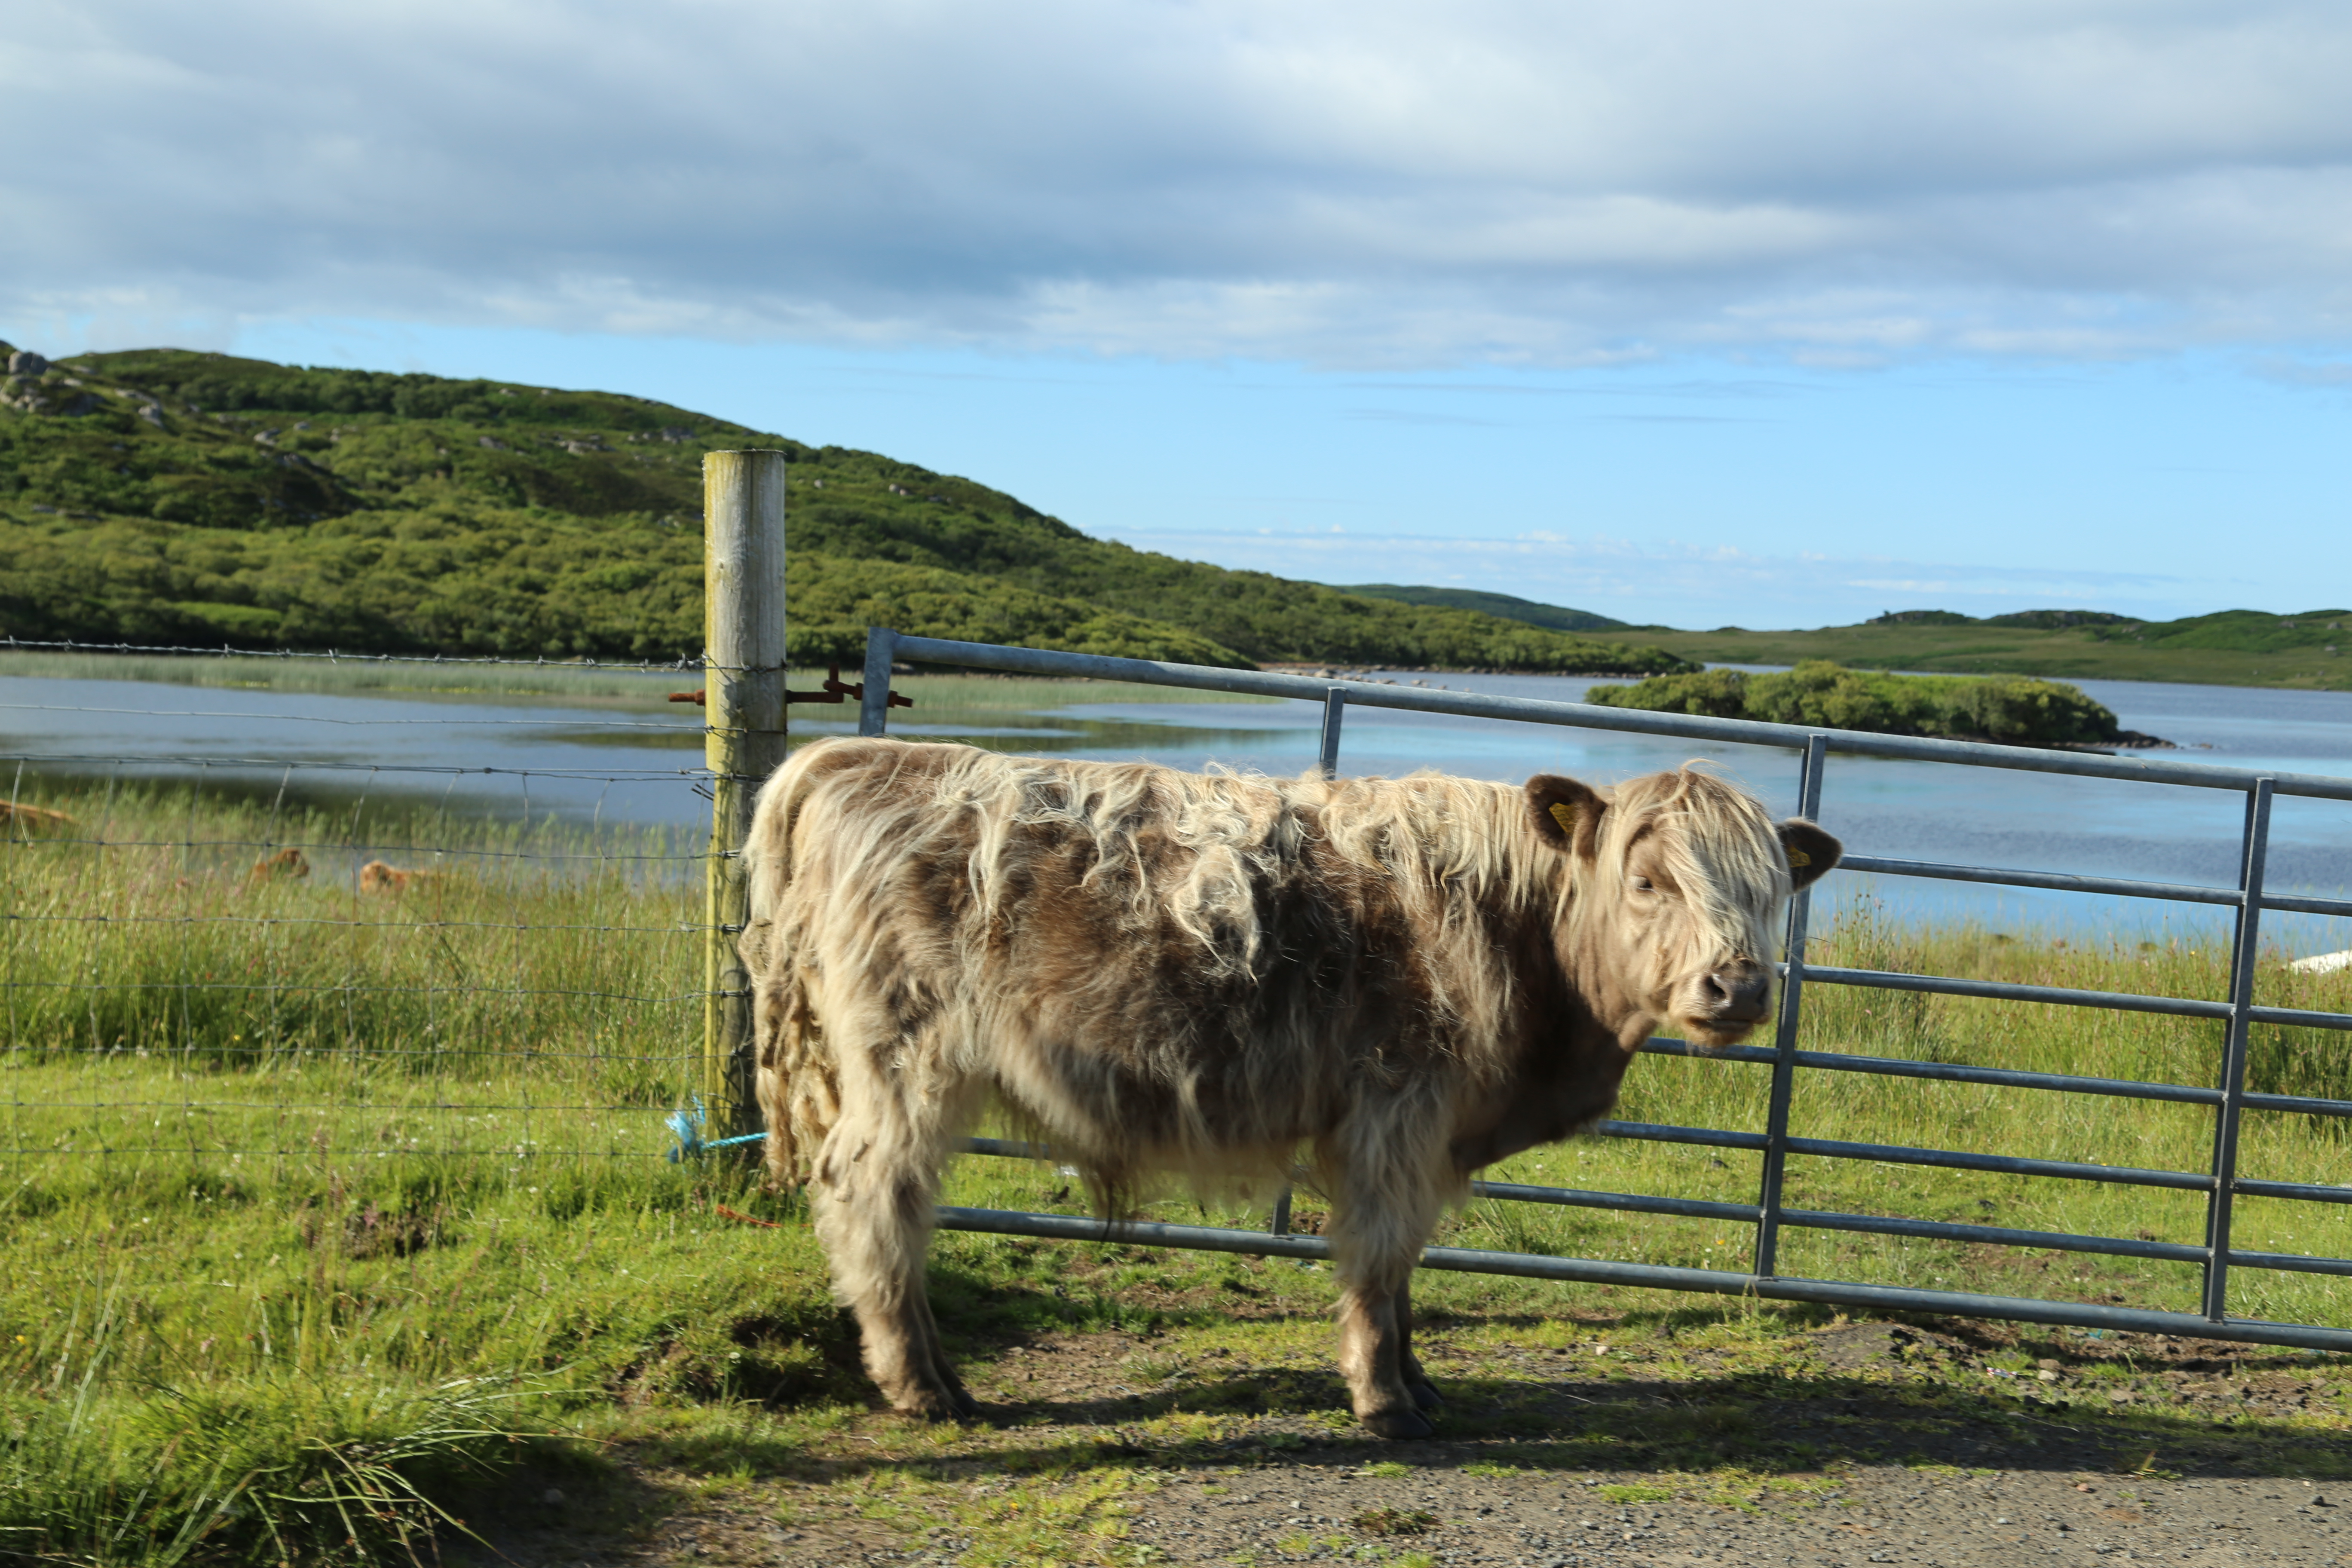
[[1731, 1000]]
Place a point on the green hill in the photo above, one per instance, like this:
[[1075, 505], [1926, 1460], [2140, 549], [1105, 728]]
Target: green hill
[[168, 496], [1558, 618], [2311, 649]]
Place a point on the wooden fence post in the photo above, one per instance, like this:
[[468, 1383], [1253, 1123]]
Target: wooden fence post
[[743, 739]]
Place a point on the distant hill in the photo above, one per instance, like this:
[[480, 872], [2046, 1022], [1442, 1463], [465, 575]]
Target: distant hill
[[2312, 648], [1556, 617], [168, 496]]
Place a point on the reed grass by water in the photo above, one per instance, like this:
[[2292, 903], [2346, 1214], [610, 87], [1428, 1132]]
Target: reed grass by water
[[563, 681]]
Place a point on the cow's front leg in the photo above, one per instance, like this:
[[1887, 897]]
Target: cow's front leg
[[1382, 1209], [1371, 1358]]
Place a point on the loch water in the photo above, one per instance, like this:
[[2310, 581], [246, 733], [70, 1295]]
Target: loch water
[[636, 762]]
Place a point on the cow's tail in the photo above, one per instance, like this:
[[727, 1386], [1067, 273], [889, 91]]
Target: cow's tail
[[798, 1085]]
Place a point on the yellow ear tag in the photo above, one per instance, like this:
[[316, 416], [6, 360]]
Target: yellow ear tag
[[1565, 815], [1798, 857]]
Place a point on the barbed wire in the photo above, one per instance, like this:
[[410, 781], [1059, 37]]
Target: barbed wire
[[276, 1053], [683, 665], [481, 1108], [351, 846], [437, 770], [496, 1151], [335, 656], [291, 988], [358, 925], [357, 724]]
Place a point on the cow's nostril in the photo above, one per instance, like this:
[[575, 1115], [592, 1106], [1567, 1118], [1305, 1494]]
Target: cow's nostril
[[1740, 992]]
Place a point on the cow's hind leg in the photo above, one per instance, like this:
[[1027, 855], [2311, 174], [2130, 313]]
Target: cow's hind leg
[[875, 1186], [1381, 1211]]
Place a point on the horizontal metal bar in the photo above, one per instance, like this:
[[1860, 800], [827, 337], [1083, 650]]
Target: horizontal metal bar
[[2307, 906], [1590, 716], [1132, 1233], [2305, 1192], [1994, 1235], [1653, 1276], [1008, 1148], [2005, 1164], [2301, 1018], [2179, 892], [1656, 1133], [1666, 1045], [2290, 1262], [2007, 1078], [2296, 1102], [1630, 1203], [2003, 991]]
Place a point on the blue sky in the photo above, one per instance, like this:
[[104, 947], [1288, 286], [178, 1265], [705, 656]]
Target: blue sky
[[1683, 312]]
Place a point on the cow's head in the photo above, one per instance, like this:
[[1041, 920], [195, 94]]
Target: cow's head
[[1676, 881]]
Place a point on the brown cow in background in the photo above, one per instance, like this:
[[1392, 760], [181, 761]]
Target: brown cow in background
[[1161, 971], [378, 877]]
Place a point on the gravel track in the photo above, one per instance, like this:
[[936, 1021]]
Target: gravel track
[[1891, 1443]]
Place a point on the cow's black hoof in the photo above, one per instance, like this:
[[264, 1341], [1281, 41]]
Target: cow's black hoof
[[1398, 1426], [1425, 1397], [938, 1404]]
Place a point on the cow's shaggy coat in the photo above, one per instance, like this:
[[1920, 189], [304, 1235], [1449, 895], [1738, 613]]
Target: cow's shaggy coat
[[1160, 971]]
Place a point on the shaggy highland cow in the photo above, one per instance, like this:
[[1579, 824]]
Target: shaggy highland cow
[[1163, 971]]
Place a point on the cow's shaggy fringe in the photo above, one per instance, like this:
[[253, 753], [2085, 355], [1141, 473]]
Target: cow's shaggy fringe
[[1193, 974]]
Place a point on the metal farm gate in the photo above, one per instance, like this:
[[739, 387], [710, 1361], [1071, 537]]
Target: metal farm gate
[[2229, 1097]]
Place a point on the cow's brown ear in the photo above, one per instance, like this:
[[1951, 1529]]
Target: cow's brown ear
[[1565, 814], [1812, 854]]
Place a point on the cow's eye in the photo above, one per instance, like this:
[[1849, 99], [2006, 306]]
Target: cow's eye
[[1642, 885]]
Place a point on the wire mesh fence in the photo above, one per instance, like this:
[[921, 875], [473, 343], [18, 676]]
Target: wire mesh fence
[[231, 929]]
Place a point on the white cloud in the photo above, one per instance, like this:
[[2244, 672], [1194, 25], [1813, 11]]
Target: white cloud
[[1346, 183]]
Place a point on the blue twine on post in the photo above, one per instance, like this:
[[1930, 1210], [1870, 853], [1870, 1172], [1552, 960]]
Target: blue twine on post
[[689, 1127]]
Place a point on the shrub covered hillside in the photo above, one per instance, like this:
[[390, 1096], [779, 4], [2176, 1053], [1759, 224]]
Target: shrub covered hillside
[[167, 496], [2017, 709]]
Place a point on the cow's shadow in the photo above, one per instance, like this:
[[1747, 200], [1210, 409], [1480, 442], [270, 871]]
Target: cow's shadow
[[1922, 1392], [1742, 1423]]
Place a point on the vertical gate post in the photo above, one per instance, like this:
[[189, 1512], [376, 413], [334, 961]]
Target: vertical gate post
[[743, 738], [2243, 947], [1327, 758], [874, 707], [1784, 1062], [1335, 709]]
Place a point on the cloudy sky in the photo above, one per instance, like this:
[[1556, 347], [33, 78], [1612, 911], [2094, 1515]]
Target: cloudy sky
[[1677, 310]]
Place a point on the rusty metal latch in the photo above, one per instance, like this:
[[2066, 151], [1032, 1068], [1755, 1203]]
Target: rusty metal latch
[[834, 690]]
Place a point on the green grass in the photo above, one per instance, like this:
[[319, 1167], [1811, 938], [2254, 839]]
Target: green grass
[[318, 1211]]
